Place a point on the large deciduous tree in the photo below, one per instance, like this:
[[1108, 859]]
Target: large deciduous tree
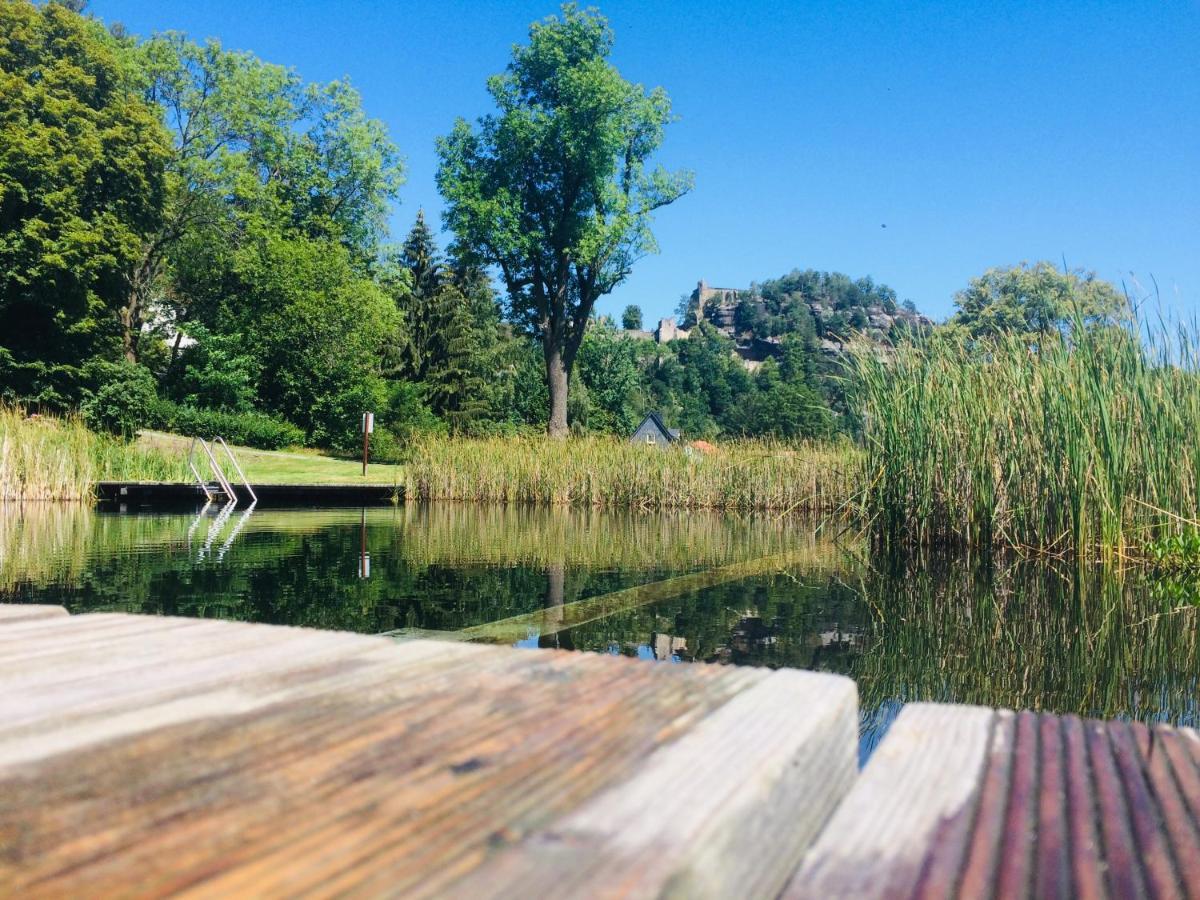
[[1034, 300], [81, 189], [278, 193], [555, 189], [256, 151]]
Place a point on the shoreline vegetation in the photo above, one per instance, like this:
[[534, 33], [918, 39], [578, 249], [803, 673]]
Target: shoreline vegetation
[[58, 458], [607, 472], [52, 458], [1076, 443], [1079, 443], [45, 457]]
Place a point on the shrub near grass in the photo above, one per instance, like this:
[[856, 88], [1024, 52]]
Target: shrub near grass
[[610, 472], [249, 429]]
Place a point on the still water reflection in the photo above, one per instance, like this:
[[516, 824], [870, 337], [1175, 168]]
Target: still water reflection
[[681, 588]]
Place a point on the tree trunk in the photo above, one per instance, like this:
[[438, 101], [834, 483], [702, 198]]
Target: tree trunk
[[175, 348], [130, 325], [135, 305], [557, 381]]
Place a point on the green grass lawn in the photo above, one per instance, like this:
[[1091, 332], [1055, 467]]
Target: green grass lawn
[[284, 467]]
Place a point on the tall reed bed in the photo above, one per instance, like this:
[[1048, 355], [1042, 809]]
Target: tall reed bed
[[609, 472], [1084, 445], [48, 458]]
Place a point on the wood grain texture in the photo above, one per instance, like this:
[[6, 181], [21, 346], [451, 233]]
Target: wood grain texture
[[961, 802], [924, 774], [26, 612], [146, 756], [727, 810]]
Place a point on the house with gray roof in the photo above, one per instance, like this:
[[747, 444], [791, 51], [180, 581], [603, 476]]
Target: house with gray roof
[[654, 431]]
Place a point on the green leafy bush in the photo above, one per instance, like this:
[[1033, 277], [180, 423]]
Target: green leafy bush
[[408, 415], [250, 429], [123, 403], [215, 373], [337, 417]]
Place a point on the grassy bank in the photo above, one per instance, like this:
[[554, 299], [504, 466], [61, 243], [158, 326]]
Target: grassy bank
[[612, 473], [46, 458], [284, 467], [1084, 448]]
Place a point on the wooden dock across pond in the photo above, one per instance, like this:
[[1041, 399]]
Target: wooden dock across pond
[[149, 756]]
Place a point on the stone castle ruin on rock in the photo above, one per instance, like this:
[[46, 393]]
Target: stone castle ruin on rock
[[719, 306]]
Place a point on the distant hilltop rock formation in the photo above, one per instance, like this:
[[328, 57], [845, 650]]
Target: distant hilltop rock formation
[[825, 309], [666, 332], [717, 305]]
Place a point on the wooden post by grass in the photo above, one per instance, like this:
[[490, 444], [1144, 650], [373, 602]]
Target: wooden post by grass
[[368, 425]]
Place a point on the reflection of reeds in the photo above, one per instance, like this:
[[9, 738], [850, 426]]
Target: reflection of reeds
[[542, 536], [47, 458], [608, 472], [41, 543], [1074, 444], [1029, 638]]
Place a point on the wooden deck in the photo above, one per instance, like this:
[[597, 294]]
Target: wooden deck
[[152, 756], [962, 801], [147, 756]]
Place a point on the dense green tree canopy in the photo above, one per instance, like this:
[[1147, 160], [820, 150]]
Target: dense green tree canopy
[[81, 187], [451, 333], [1035, 299], [320, 329], [554, 190], [609, 368], [255, 150]]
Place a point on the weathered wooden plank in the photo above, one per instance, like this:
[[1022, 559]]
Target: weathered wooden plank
[[982, 861], [1176, 784], [725, 811], [1053, 837], [154, 756], [1112, 816], [199, 670], [1086, 859], [1145, 817], [26, 612], [1015, 873], [1053, 807], [924, 775]]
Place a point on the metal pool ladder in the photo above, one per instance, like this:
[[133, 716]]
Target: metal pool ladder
[[222, 486]]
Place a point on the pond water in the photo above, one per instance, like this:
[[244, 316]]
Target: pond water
[[667, 588]]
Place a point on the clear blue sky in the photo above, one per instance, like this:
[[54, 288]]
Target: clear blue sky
[[981, 134]]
